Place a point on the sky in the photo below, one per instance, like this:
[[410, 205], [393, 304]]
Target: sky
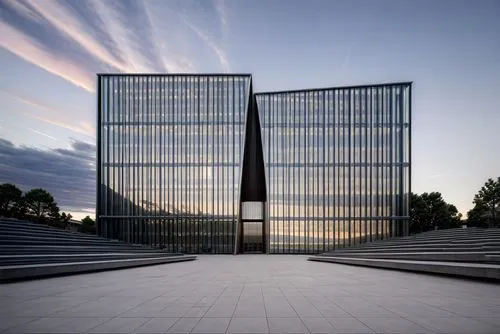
[[50, 52]]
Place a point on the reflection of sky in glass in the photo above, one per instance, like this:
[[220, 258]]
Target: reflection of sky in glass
[[335, 159], [172, 145]]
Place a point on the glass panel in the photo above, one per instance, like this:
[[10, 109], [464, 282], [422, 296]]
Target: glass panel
[[170, 159]]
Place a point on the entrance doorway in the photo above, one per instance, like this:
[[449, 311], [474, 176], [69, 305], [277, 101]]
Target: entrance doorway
[[253, 241], [252, 229]]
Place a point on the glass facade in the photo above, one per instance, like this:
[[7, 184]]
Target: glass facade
[[178, 155], [169, 154], [337, 165]]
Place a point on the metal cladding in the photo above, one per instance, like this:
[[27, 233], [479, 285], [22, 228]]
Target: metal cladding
[[170, 149], [337, 164], [179, 154]]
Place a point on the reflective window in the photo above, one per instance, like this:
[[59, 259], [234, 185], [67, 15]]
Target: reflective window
[[169, 150], [337, 165]]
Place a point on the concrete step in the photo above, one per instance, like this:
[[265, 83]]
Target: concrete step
[[57, 249], [9, 260], [28, 239], [493, 257], [9, 230], [472, 270], [480, 256], [17, 272], [430, 240], [418, 249], [411, 246], [29, 226]]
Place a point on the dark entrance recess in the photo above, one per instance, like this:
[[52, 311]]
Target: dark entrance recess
[[251, 233], [253, 237]]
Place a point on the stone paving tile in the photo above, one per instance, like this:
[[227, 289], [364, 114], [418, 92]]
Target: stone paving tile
[[59, 325], [10, 322], [156, 325], [458, 325], [212, 325], [318, 325], [250, 293], [394, 325], [119, 325], [183, 325], [349, 325], [248, 325], [286, 325]]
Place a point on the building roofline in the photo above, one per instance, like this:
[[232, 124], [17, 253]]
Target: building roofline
[[175, 74], [304, 90]]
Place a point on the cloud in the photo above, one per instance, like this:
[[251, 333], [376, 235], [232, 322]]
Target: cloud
[[25, 10], [76, 39], [61, 124], [41, 133], [66, 20], [129, 24], [33, 51], [219, 51], [55, 117], [30, 101], [68, 174], [221, 9]]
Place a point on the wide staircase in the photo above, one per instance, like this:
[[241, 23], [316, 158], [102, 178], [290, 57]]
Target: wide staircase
[[469, 252], [30, 250]]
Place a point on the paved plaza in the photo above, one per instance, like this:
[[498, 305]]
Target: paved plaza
[[250, 294]]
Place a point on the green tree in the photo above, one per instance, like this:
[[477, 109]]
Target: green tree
[[10, 198], [486, 211], [40, 205], [88, 225], [429, 211], [62, 220]]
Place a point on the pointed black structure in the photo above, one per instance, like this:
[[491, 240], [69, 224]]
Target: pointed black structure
[[253, 179]]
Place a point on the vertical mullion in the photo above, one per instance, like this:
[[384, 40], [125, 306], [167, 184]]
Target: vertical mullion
[[233, 160], [218, 161], [286, 127], [189, 133], [352, 227], [294, 165], [366, 148], [161, 164], [212, 197], [121, 161], [168, 161], [345, 149], [199, 134], [130, 128], [306, 174], [150, 137], [282, 161], [206, 162], [311, 231], [175, 165], [324, 165]]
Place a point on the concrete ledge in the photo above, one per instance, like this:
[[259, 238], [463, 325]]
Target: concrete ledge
[[422, 256], [473, 270], [26, 259], [11, 273]]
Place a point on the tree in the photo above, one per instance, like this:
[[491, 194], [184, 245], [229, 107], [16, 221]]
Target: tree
[[40, 205], [88, 225], [486, 211], [62, 220], [10, 197], [429, 211]]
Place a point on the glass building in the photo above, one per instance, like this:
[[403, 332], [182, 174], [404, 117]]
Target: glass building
[[201, 164], [170, 149], [337, 164]]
